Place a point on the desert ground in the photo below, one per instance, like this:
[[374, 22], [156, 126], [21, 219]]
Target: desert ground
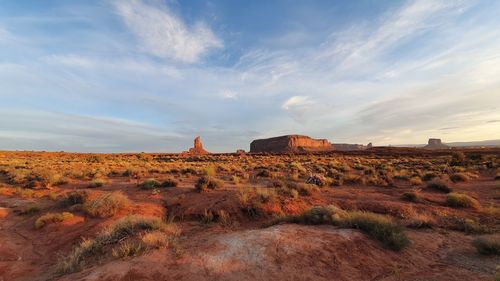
[[371, 215]]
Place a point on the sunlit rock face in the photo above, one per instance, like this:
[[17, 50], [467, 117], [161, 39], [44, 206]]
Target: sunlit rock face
[[290, 143], [197, 149]]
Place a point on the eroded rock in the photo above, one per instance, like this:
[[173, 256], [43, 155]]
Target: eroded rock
[[290, 143]]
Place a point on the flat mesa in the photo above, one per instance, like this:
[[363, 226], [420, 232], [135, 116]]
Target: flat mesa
[[290, 143]]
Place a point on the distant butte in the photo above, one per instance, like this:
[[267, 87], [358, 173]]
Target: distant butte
[[197, 149], [435, 144], [290, 143]]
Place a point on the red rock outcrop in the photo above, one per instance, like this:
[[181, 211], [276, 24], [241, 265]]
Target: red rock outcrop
[[197, 149], [290, 143]]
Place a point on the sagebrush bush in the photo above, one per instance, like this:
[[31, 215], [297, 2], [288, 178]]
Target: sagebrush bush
[[150, 184], [169, 183], [320, 215], [52, 218], [410, 196], [107, 204], [97, 182], [488, 245], [206, 183], [429, 176], [378, 227], [439, 185], [459, 177], [117, 233], [128, 249], [458, 200], [73, 198]]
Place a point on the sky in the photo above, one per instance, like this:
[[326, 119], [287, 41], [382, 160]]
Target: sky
[[150, 75]]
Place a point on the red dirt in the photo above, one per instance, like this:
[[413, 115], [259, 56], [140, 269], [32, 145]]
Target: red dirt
[[246, 250]]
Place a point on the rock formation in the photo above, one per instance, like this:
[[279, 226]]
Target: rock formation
[[197, 149], [348, 147], [435, 144], [290, 143]]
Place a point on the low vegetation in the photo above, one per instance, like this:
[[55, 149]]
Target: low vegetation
[[458, 200], [206, 183], [107, 204], [129, 236], [52, 218], [489, 245], [439, 185], [378, 227]]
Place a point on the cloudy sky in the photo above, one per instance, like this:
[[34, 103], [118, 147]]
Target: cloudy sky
[[150, 75]]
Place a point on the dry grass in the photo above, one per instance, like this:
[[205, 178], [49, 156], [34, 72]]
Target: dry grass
[[439, 185], [488, 245], [126, 237], [107, 204], [458, 200], [206, 183], [378, 227], [52, 218]]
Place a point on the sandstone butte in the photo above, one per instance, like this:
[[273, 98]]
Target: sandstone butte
[[436, 144], [290, 143], [197, 148]]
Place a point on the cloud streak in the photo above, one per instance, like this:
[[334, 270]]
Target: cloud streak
[[165, 35], [396, 77]]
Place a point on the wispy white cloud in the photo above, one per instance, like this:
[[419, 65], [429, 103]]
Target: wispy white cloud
[[397, 78], [229, 94], [165, 35]]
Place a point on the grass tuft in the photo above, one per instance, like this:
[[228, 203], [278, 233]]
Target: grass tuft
[[488, 245], [439, 185], [458, 200], [206, 183], [107, 204], [52, 218]]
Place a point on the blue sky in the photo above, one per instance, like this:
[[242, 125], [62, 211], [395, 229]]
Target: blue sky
[[150, 75]]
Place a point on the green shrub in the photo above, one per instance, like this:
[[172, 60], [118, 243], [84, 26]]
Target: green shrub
[[116, 233], [487, 245], [98, 182], [471, 226], [150, 184], [457, 200], [439, 185], [379, 227], [107, 204], [52, 218], [320, 215], [429, 176], [265, 174], [73, 198], [458, 177], [206, 183], [128, 249], [169, 183], [410, 196]]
